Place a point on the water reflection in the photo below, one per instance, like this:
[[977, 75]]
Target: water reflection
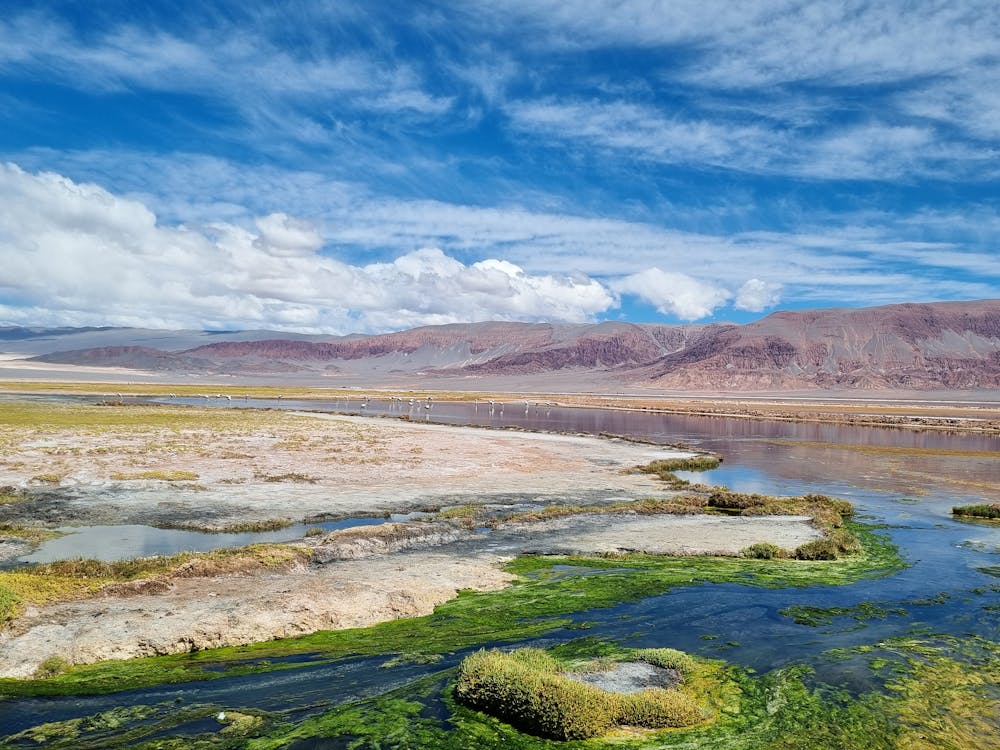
[[129, 541], [902, 460]]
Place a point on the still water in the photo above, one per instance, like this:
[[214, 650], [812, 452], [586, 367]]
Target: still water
[[129, 541], [903, 480]]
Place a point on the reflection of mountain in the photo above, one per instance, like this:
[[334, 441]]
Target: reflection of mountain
[[950, 345]]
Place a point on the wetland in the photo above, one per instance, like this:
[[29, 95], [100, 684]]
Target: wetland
[[500, 537]]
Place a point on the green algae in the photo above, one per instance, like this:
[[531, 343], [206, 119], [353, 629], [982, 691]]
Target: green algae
[[540, 601], [803, 614], [940, 693]]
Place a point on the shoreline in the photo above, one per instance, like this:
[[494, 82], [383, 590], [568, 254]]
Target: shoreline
[[899, 411]]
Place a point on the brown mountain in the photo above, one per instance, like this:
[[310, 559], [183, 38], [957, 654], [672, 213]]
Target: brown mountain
[[947, 345], [952, 345]]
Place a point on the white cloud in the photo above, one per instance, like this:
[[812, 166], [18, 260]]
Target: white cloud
[[674, 293], [756, 295], [647, 132], [76, 254], [766, 43], [859, 259], [282, 233]]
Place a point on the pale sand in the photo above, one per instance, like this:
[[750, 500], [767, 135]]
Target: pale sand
[[359, 465]]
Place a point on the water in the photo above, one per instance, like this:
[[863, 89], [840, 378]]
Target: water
[[906, 480], [129, 541]]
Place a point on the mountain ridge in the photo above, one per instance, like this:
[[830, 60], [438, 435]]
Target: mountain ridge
[[916, 346]]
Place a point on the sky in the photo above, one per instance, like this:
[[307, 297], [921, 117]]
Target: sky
[[337, 167]]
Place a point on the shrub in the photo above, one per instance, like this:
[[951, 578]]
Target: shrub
[[51, 667], [845, 541], [763, 551], [819, 549], [842, 507]]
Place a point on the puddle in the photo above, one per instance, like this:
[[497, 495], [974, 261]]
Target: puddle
[[129, 541]]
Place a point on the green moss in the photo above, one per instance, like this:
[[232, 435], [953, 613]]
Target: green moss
[[668, 658], [817, 616], [239, 724], [773, 711], [530, 689]]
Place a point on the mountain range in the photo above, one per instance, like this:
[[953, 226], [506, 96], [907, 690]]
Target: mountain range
[[944, 345]]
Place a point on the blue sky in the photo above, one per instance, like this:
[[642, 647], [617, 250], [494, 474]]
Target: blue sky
[[338, 167]]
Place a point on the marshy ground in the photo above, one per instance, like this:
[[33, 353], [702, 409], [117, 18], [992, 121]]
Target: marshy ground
[[389, 603], [72, 465]]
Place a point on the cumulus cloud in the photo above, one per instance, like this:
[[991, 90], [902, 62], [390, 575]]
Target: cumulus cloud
[[73, 253], [674, 293], [282, 233], [756, 295]]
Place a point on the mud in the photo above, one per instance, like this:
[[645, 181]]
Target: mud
[[629, 677]]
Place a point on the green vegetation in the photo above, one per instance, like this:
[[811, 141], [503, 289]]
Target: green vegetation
[[530, 689], [941, 695], [29, 533], [47, 478], [165, 476], [837, 544], [239, 527], [238, 724], [764, 551], [817, 616], [77, 579], [293, 476], [537, 603], [988, 511], [51, 667], [665, 468], [10, 495]]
